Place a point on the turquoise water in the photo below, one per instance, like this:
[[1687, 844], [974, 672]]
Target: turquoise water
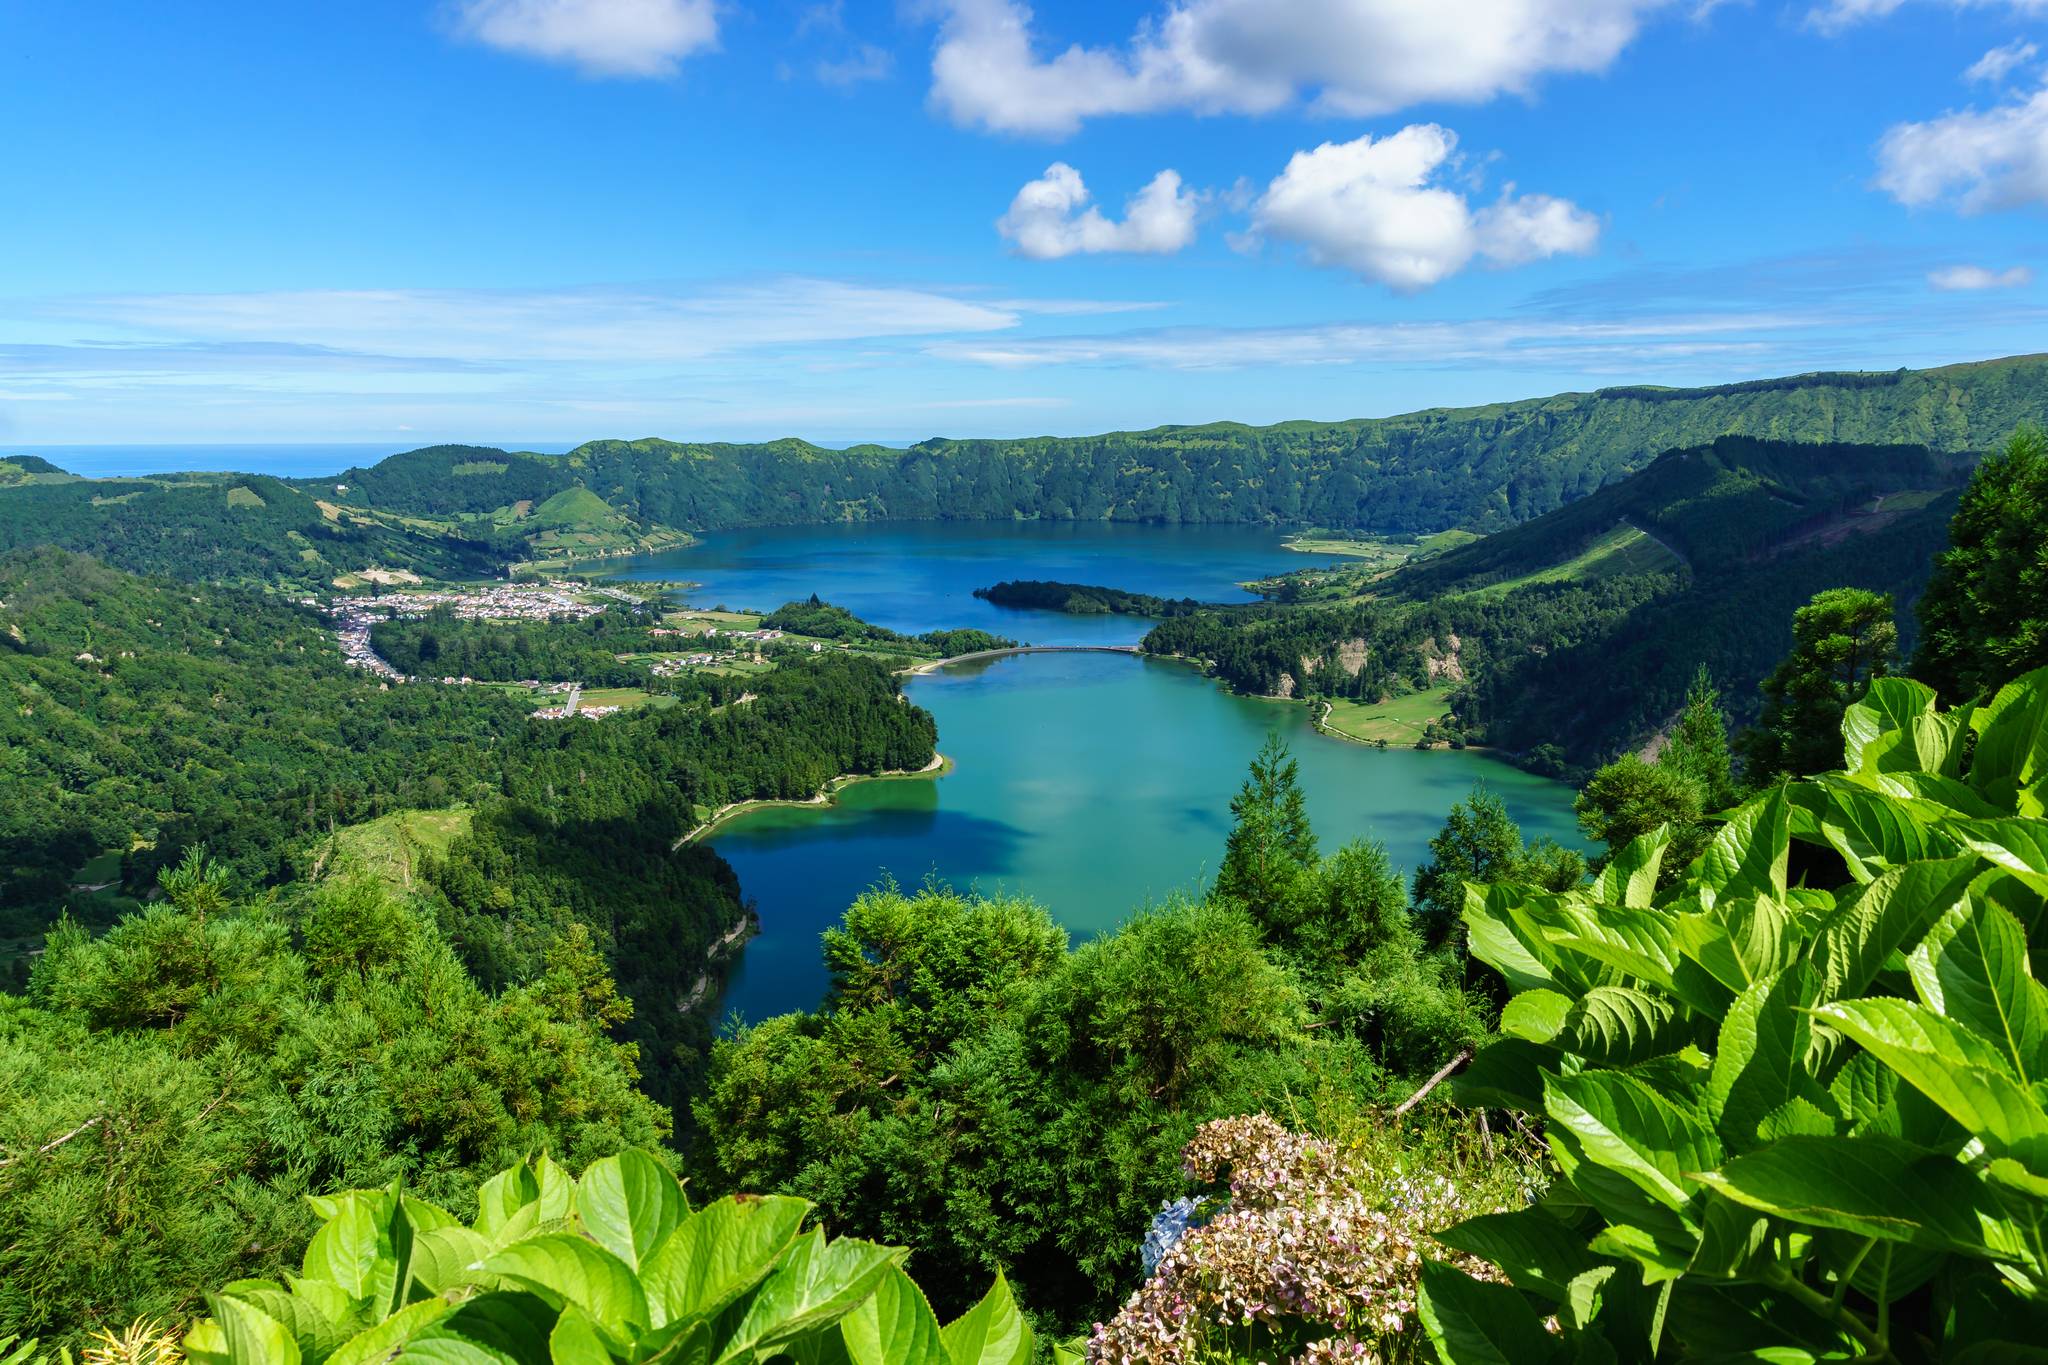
[[914, 575], [1096, 784]]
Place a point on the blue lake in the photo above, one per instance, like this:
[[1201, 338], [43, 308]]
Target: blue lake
[[1096, 784]]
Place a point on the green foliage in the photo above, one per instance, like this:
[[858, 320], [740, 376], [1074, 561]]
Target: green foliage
[[1689, 780], [1794, 1117], [823, 621], [1842, 640], [1480, 842], [1081, 599], [1597, 661], [170, 1091], [443, 645], [1271, 847], [1982, 620], [614, 1267], [977, 1091]]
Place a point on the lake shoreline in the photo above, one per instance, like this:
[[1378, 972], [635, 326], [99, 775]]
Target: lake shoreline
[[938, 767]]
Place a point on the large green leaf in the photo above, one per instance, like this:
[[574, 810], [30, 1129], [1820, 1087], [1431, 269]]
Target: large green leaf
[[2012, 738], [1748, 855], [1630, 877], [992, 1332], [1878, 1187], [565, 1268], [1760, 1060], [1640, 943], [1740, 940], [443, 1258], [1624, 1126], [718, 1253], [503, 1328], [253, 1336], [893, 1326], [1888, 915], [1973, 967], [2018, 846], [1620, 1026], [1471, 1323], [1870, 829], [1506, 1073], [1967, 1075], [502, 1196], [1538, 1253], [815, 1285], [378, 1341], [629, 1204], [1891, 707], [1497, 935], [576, 1340], [352, 1248]]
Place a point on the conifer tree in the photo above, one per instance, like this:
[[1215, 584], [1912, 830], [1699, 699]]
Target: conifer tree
[[1272, 845]]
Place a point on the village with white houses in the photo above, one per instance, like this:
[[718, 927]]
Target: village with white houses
[[354, 616]]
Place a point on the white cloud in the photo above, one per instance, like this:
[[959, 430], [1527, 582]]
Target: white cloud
[[1986, 159], [1379, 208], [866, 62], [599, 37], [1836, 15], [1356, 57], [608, 325], [1974, 277], [1051, 217], [1994, 66], [1625, 345]]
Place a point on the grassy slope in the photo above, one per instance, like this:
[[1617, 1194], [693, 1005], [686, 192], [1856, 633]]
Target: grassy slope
[[389, 847], [1400, 721]]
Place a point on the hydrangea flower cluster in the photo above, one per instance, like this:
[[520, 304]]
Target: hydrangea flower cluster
[[1315, 1258]]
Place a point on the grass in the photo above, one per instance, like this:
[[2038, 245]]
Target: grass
[[389, 847], [1623, 550], [1400, 721], [624, 697]]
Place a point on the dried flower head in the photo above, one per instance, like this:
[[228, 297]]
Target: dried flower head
[[1315, 1258]]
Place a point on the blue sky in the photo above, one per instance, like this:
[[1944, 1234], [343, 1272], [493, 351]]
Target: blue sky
[[549, 220]]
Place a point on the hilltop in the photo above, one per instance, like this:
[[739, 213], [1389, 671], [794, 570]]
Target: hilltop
[[458, 511], [1572, 637]]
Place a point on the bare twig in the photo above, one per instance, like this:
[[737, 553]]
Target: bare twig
[[1464, 1056], [93, 1122]]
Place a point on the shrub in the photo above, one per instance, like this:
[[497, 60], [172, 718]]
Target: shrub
[[1795, 1101], [613, 1267]]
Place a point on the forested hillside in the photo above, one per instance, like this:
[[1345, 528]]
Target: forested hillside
[[1484, 468], [147, 719], [464, 511], [1577, 634]]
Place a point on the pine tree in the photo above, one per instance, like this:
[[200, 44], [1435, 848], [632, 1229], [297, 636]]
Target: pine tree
[[1272, 844], [1982, 620], [1843, 639], [1698, 750]]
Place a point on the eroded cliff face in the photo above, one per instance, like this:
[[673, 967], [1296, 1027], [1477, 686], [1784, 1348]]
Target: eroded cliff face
[[1443, 660]]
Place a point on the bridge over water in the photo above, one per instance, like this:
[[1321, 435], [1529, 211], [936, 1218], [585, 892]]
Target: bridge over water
[[981, 654]]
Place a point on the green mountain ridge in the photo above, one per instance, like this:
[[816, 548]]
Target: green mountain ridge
[[1572, 637], [467, 511]]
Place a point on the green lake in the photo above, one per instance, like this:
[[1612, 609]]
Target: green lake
[[1094, 783]]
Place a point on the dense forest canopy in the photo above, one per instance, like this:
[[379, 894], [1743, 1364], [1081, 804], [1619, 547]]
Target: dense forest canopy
[[453, 511]]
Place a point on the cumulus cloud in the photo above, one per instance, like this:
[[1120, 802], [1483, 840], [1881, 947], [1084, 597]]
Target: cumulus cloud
[[1974, 277], [1994, 66], [1354, 57], [1051, 217], [1379, 208], [599, 37], [1978, 159]]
